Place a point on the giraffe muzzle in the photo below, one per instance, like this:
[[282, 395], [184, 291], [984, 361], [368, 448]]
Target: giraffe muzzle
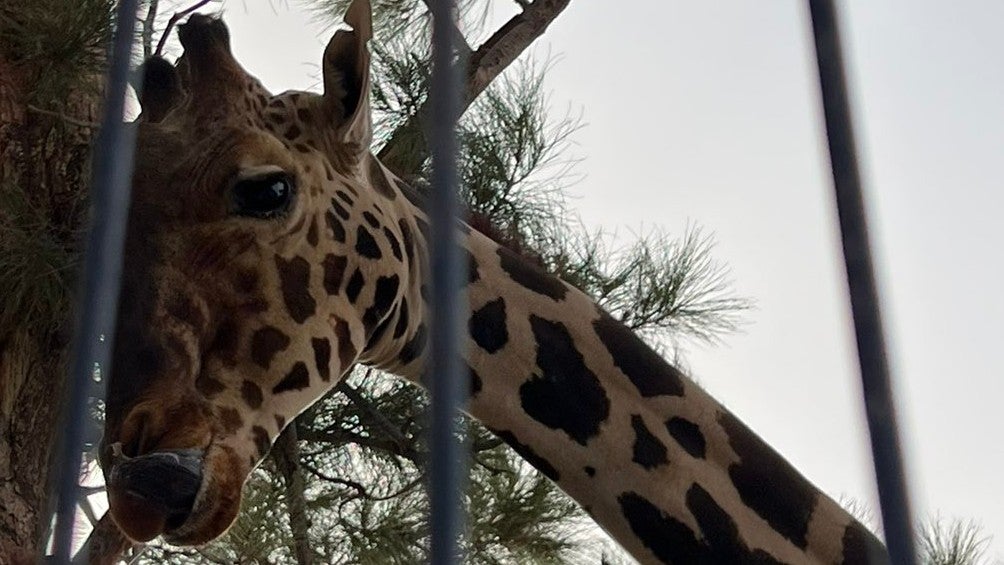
[[154, 493]]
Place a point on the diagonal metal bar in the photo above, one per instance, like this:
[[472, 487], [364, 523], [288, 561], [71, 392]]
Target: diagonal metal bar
[[98, 300], [879, 405], [445, 372]]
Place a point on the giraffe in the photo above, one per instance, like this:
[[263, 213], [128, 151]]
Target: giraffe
[[268, 251]]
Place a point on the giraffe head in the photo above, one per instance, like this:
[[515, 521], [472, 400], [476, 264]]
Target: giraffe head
[[234, 314]]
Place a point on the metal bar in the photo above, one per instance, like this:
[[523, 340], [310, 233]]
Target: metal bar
[[98, 302], [879, 405], [445, 377]]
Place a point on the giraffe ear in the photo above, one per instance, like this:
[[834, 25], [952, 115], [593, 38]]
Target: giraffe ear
[[161, 90], [347, 76]]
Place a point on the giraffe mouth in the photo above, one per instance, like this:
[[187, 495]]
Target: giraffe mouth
[[189, 497], [155, 492]]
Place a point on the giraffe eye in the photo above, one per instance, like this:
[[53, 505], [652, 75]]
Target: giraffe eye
[[263, 196]]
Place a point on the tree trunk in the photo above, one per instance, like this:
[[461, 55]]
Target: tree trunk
[[44, 161]]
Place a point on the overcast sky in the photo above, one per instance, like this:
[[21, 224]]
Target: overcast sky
[[707, 112]]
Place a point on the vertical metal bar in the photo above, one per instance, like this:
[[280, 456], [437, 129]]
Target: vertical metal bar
[[98, 301], [445, 378], [875, 380]]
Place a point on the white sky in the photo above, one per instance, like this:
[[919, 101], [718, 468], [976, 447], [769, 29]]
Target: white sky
[[708, 112]]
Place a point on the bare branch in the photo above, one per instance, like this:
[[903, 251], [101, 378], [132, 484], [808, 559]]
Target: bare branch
[[147, 33], [105, 545], [174, 19], [287, 458], [483, 67]]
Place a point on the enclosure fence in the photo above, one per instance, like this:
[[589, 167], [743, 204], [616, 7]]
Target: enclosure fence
[[112, 171]]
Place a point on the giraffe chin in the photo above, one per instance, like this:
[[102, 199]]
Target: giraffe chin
[[215, 506]]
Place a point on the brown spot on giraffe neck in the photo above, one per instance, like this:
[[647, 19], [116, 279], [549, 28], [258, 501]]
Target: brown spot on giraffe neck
[[266, 343], [294, 276], [252, 395], [565, 394], [649, 452], [298, 378], [322, 357], [788, 506]]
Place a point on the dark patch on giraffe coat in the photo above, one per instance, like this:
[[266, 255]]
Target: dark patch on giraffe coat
[[246, 281], [648, 451], [265, 343], [339, 209], [672, 541], [861, 546], [768, 484], [298, 378], [531, 457], [230, 420], [261, 440], [337, 229], [476, 384], [380, 181], [402, 319], [183, 308], [366, 245], [415, 346], [322, 357], [312, 233], [590, 470], [293, 132], [566, 395], [346, 351], [669, 539], [251, 393], [304, 115], [720, 531], [383, 299], [407, 240], [208, 386], [649, 372], [334, 271], [530, 276], [294, 276], [225, 341], [488, 326], [688, 435], [344, 196], [355, 286], [381, 329], [280, 421], [371, 219], [472, 268], [395, 247]]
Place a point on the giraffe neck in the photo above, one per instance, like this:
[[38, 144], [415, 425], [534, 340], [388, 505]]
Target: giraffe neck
[[664, 468]]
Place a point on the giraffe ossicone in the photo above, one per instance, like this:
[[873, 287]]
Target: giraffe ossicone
[[268, 251]]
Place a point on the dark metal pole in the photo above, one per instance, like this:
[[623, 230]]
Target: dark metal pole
[[446, 377], [875, 380], [98, 301]]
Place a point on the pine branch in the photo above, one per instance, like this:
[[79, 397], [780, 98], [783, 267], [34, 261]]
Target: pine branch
[[287, 458], [484, 66]]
